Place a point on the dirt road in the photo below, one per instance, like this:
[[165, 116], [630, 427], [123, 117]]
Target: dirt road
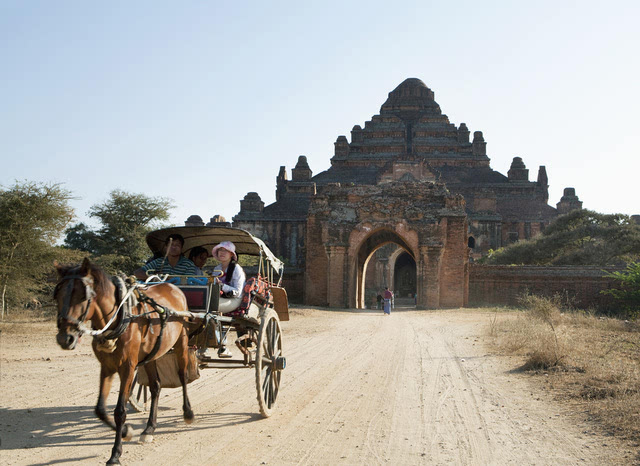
[[359, 388]]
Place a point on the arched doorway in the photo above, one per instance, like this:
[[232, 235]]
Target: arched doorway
[[372, 260], [404, 275]]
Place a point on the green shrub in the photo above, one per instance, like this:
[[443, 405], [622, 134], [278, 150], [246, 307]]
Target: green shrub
[[628, 293]]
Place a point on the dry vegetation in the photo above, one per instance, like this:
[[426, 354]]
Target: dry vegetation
[[584, 359]]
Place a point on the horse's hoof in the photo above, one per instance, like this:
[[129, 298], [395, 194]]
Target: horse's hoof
[[128, 432], [188, 418], [146, 438], [113, 461]]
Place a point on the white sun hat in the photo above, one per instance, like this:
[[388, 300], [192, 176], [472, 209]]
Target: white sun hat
[[228, 245]]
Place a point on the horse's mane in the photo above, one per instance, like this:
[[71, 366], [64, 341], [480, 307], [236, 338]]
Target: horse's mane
[[101, 280]]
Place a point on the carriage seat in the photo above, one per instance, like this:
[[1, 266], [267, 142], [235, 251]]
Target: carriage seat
[[227, 305], [196, 289], [203, 296]]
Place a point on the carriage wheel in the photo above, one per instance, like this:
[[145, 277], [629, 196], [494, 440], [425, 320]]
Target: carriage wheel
[[269, 362], [138, 396]]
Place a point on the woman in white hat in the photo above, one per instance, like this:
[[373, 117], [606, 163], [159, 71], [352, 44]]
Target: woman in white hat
[[232, 282], [233, 279]]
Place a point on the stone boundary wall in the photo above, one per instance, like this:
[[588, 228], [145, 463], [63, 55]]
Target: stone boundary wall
[[501, 285], [293, 281]]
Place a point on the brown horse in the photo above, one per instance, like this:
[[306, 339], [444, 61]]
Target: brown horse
[[139, 334]]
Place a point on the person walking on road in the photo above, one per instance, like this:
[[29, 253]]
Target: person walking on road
[[388, 296]]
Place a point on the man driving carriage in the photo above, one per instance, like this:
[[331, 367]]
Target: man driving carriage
[[172, 263]]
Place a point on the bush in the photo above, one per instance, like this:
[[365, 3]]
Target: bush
[[581, 237], [629, 292], [547, 351]]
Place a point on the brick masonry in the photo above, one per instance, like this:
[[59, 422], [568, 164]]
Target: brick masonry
[[501, 285], [346, 224]]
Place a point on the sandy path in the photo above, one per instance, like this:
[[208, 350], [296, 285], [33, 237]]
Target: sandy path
[[359, 388]]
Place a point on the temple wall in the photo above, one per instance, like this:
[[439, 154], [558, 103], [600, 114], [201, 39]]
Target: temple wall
[[501, 285], [315, 280], [293, 281], [456, 256], [286, 239]]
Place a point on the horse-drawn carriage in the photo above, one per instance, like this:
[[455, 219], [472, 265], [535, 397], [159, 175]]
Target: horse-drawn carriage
[[155, 334], [256, 318]]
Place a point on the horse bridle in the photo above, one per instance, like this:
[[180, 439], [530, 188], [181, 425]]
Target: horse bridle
[[66, 305]]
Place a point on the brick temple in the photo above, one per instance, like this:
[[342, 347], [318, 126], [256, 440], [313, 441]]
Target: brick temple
[[407, 203]]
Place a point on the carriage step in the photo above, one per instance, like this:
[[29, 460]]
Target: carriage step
[[207, 359], [210, 363]]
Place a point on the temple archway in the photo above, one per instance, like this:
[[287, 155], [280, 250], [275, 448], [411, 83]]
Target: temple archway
[[365, 254], [348, 224]]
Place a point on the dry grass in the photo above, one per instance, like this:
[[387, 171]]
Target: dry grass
[[588, 360]]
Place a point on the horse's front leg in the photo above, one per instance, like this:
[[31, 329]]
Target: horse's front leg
[[182, 353], [126, 372], [106, 378], [154, 388]]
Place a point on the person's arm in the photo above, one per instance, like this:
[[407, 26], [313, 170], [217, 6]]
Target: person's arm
[[141, 273]]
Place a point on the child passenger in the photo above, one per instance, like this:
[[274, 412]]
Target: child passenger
[[199, 256]]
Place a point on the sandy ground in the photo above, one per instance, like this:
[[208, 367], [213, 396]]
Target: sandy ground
[[359, 388]]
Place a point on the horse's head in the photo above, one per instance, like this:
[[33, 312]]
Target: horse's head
[[73, 296]]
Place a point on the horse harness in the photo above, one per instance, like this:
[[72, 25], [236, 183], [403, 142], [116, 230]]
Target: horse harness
[[66, 305], [163, 313]]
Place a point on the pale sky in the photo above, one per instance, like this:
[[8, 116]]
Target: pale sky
[[202, 102]]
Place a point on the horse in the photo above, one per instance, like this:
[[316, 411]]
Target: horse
[[127, 338]]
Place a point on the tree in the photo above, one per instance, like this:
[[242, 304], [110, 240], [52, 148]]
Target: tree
[[80, 237], [125, 220], [581, 237], [32, 219]]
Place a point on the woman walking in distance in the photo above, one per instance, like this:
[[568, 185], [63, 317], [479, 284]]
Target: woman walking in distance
[[388, 295]]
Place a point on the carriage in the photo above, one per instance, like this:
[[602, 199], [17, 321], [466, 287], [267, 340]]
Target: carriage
[[256, 320]]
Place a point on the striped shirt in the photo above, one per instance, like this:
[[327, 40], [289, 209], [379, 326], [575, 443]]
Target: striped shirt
[[162, 265]]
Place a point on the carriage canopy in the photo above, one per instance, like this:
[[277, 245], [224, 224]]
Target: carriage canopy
[[208, 237]]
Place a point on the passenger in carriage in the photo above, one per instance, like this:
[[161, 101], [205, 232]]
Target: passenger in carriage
[[199, 256], [233, 277], [232, 283], [173, 263]]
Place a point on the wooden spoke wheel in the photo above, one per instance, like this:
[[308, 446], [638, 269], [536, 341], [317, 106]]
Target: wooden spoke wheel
[[138, 396], [269, 362]]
